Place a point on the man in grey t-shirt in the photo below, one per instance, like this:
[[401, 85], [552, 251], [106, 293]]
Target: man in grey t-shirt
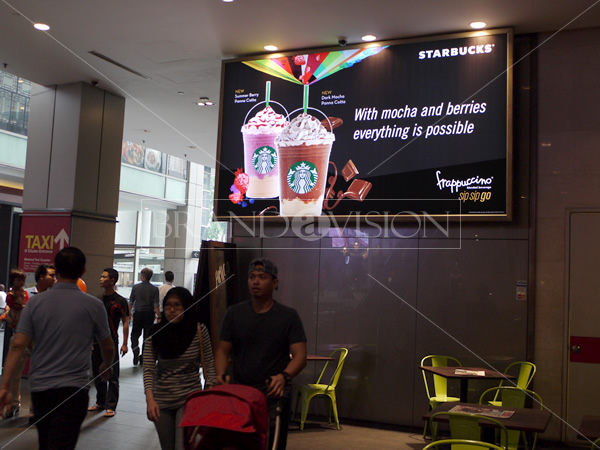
[[62, 322]]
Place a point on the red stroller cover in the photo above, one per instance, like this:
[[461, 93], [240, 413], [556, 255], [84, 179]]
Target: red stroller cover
[[234, 407]]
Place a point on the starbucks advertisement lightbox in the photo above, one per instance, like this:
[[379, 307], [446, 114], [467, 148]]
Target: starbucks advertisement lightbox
[[403, 128]]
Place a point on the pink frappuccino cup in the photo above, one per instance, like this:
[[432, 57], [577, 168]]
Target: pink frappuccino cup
[[260, 154]]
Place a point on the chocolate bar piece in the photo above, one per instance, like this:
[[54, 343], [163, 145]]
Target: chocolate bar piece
[[332, 123], [349, 171], [358, 190]]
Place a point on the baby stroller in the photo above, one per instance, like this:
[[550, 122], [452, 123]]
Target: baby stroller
[[226, 417]]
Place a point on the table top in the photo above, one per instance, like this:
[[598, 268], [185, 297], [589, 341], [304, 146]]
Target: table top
[[589, 428], [319, 358], [523, 419], [449, 372]]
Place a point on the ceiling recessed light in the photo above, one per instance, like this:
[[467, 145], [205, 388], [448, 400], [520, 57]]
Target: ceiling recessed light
[[227, 1], [369, 37], [41, 26], [271, 48], [209, 103], [201, 104], [180, 92], [478, 25]]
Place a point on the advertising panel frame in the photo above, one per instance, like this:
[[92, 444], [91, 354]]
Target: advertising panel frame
[[221, 196]]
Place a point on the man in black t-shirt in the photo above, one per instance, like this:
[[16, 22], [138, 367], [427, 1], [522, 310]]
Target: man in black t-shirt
[[260, 335], [117, 309]]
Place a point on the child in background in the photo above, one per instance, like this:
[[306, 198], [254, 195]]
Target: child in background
[[16, 299]]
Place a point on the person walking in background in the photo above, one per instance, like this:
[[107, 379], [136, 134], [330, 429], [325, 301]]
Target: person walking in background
[[45, 278], [144, 307], [62, 321], [117, 309], [16, 299], [260, 335], [165, 287], [178, 347], [2, 304]]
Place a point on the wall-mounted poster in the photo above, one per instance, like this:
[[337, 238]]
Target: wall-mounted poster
[[132, 154], [421, 126]]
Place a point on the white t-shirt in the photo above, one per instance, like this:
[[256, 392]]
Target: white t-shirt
[[162, 291], [2, 299]]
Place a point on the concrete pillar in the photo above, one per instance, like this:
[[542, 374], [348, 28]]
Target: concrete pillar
[[74, 165]]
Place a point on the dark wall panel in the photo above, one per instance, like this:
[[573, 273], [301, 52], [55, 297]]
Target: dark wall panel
[[366, 301], [468, 301]]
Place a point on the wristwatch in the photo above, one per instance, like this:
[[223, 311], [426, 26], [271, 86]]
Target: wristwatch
[[287, 376]]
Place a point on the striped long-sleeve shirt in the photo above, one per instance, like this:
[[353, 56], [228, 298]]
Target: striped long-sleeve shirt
[[172, 380]]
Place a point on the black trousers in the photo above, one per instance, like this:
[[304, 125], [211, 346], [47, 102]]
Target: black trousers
[[107, 392], [142, 321], [59, 414], [279, 407]]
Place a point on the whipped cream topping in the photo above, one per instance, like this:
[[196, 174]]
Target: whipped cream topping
[[266, 121], [304, 130]]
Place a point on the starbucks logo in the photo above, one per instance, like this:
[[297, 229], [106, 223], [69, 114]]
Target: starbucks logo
[[264, 159], [302, 177]]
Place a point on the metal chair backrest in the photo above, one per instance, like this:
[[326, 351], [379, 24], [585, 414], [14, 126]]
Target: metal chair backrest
[[460, 444], [514, 397], [343, 352], [526, 372], [467, 426]]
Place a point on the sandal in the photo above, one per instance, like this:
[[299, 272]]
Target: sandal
[[109, 413], [12, 412], [95, 407]]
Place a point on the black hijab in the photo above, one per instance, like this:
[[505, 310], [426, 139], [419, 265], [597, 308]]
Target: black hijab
[[171, 340]]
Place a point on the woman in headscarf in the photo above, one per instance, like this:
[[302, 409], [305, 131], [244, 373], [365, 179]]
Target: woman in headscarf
[[173, 354]]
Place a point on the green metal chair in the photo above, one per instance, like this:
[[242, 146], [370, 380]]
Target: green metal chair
[[437, 393], [525, 375], [514, 397], [462, 444], [307, 392], [467, 426]]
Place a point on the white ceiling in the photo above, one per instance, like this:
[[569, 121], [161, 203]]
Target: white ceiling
[[180, 44]]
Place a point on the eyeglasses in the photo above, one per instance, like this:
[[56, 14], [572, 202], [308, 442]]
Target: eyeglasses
[[172, 306]]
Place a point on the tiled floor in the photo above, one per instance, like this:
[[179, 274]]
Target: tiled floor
[[131, 430]]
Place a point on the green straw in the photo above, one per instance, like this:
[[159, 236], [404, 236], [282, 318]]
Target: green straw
[[305, 98], [268, 92]]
